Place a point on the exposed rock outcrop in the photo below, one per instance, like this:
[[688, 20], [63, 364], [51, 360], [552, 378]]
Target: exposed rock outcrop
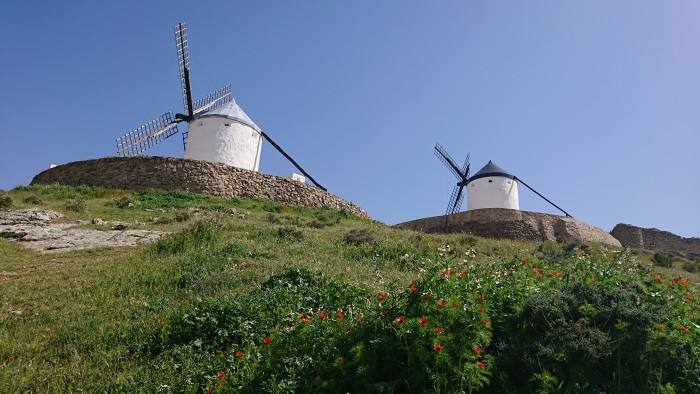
[[654, 239], [512, 224], [216, 179], [33, 228]]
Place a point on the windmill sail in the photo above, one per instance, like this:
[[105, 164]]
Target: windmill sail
[[183, 61], [153, 132], [462, 174]]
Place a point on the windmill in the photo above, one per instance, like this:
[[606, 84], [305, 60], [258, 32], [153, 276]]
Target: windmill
[[462, 176], [218, 130]]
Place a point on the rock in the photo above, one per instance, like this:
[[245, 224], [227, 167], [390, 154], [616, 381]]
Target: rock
[[97, 221], [654, 239]]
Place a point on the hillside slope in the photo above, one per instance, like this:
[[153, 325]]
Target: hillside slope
[[248, 295]]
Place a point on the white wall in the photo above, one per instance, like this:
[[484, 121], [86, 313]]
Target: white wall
[[222, 140], [492, 192]]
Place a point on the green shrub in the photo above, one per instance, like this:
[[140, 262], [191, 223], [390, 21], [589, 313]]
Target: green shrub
[[663, 259], [121, 203], [32, 200], [358, 237], [75, 205], [289, 233], [5, 201]]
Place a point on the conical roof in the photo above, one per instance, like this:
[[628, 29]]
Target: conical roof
[[231, 111], [491, 169]]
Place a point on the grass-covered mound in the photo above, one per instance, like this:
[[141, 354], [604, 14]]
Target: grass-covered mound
[[280, 299]]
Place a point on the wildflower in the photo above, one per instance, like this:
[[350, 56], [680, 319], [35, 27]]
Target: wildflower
[[441, 304], [161, 321], [358, 318], [453, 303], [438, 330], [622, 285], [348, 329], [482, 309], [340, 359], [438, 347], [267, 340], [209, 391], [476, 350], [536, 270], [400, 319], [12, 357], [463, 273], [414, 289], [658, 278], [479, 296], [182, 301], [221, 374], [423, 321], [341, 315], [480, 364], [684, 328], [661, 326], [450, 335], [485, 321], [414, 281], [381, 296], [323, 316], [427, 295], [239, 354]]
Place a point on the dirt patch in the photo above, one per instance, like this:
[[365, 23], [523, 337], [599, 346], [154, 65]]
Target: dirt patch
[[33, 228]]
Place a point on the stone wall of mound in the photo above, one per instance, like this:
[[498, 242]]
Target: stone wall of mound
[[512, 224], [654, 239], [216, 179]]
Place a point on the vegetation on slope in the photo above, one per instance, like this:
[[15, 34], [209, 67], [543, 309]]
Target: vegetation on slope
[[248, 295]]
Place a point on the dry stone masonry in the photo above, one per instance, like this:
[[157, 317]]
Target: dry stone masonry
[[167, 173], [512, 224], [654, 239]]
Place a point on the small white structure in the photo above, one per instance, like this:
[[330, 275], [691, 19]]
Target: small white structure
[[225, 135], [492, 187], [296, 177]]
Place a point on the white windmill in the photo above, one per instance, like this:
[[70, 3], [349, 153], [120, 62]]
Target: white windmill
[[490, 187], [218, 129]]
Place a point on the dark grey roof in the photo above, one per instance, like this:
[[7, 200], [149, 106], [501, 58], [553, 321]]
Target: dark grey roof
[[491, 169]]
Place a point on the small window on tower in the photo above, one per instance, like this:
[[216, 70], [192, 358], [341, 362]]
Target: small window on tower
[[227, 124], [509, 182], [490, 180]]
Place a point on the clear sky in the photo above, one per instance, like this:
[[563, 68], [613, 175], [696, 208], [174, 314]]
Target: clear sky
[[596, 104]]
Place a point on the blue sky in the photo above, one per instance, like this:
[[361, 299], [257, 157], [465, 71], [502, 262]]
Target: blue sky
[[596, 104]]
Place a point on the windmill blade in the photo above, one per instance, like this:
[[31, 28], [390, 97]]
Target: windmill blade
[[267, 137], [213, 100], [447, 159], [183, 60], [455, 200], [465, 167], [146, 136]]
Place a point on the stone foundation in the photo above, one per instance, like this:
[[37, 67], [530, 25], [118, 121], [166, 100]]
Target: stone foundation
[[654, 239], [512, 224], [216, 179]]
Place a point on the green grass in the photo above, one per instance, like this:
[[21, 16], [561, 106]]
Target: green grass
[[171, 315]]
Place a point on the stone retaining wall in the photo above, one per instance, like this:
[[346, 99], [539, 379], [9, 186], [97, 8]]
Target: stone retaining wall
[[167, 173], [654, 239], [512, 224]]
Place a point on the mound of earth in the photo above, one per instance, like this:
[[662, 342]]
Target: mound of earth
[[34, 229], [512, 224]]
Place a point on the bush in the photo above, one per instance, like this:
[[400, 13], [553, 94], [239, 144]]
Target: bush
[[76, 205], [358, 237], [290, 233], [32, 200], [663, 259], [121, 203], [5, 201]]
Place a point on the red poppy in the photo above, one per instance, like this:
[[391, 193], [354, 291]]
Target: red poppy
[[441, 304], [414, 281], [267, 340], [536, 270], [239, 354], [479, 296], [427, 295], [414, 289], [485, 321], [341, 359], [161, 321], [381, 296], [341, 315], [221, 374], [463, 273], [400, 319], [480, 364], [323, 315], [482, 309], [438, 330], [438, 347], [453, 303], [348, 329], [476, 350], [684, 328], [423, 321], [661, 326]]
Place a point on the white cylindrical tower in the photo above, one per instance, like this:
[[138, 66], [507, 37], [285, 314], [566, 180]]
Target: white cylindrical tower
[[225, 135], [492, 187]]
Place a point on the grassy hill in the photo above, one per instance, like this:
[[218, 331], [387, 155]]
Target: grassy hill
[[248, 296]]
